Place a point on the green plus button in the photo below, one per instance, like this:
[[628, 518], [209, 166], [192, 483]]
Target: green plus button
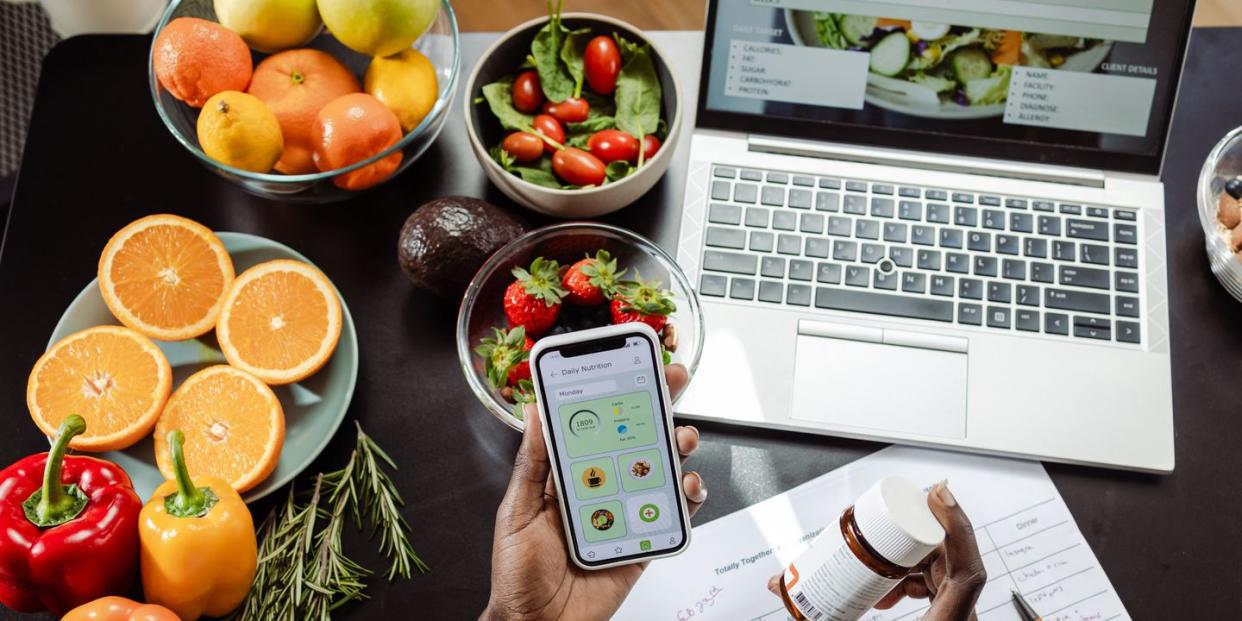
[[649, 513]]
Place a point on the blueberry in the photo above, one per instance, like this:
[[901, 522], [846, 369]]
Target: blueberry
[[1234, 187]]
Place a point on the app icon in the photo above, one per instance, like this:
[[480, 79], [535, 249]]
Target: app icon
[[641, 470], [602, 519], [644, 545], [593, 478], [649, 513]]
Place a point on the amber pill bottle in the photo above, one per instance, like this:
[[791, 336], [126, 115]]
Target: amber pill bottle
[[862, 556]]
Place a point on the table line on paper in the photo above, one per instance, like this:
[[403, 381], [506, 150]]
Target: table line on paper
[[1028, 536], [1076, 603], [996, 521]]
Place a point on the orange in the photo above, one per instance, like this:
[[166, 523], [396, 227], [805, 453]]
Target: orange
[[195, 59], [281, 321], [296, 84], [233, 424], [113, 377], [352, 128], [165, 276]]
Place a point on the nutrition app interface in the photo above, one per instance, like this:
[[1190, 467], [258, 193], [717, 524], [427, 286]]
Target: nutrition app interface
[[609, 434]]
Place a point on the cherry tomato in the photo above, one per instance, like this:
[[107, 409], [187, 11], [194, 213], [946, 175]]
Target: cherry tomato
[[572, 110], [577, 167], [602, 62], [611, 145], [651, 144], [527, 95], [547, 125], [523, 146]]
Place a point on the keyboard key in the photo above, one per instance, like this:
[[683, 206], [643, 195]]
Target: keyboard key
[[772, 267], [1082, 301], [902, 256], [783, 220], [970, 314], [882, 188], [866, 229], [827, 201], [1093, 254], [1122, 214], [715, 261], [720, 237], [775, 177], [963, 197], [845, 251], [993, 219], [1125, 233], [942, 285], [922, 235], [883, 304], [839, 226], [1021, 222], [872, 253], [910, 210], [771, 291], [881, 207], [970, 289], [745, 193], [1043, 206], [828, 183], [1063, 250], [979, 242], [803, 180], [724, 172], [752, 175], [885, 280], [855, 204], [990, 201], [773, 195], [1008, 244], [829, 273], [1056, 323], [798, 295], [1084, 277], [1125, 257], [1000, 292], [938, 213], [985, 266], [1126, 281], [937, 195], [914, 282], [1097, 212], [1027, 295], [761, 241], [720, 190], [1126, 306], [1073, 210], [1015, 203], [811, 223], [1013, 269], [1035, 247], [816, 247], [1050, 225], [1093, 328], [742, 289], [998, 317], [908, 192], [720, 213], [950, 238], [957, 262], [895, 232], [929, 259], [789, 244], [856, 186], [801, 269], [1026, 320], [757, 217], [965, 216], [1087, 229], [1042, 272], [856, 276], [800, 199], [713, 285], [1127, 332]]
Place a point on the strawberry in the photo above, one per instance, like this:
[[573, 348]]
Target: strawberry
[[592, 281], [637, 300], [533, 301], [506, 357]]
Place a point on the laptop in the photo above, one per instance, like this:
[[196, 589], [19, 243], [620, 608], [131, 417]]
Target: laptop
[[937, 223]]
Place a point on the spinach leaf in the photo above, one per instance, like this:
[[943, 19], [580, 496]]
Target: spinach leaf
[[538, 176], [578, 140], [600, 105], [638, 96], [545, 51], [591, 125], [572, 52], [617, 170], [626, 47], [499, 96]]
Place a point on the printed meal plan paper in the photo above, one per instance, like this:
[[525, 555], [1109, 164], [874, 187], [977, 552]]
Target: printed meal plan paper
[[1027, 537]]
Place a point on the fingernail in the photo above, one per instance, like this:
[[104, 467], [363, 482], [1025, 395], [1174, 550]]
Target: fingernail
[[702, 487], [942, 491], [695, 430]]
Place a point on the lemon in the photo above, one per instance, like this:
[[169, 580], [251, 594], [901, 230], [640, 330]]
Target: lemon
[[406, 83], [239, 130]]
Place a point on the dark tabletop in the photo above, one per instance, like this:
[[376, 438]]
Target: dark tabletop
[[98, 157]]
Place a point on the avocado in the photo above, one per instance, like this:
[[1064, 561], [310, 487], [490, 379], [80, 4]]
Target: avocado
[[445, 241]]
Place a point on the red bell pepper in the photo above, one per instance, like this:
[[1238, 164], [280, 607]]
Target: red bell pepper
[[68, 528]]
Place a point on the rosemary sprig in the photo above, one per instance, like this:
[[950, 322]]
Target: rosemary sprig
[[304, 572]]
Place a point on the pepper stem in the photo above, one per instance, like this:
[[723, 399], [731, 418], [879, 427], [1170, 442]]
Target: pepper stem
[[188, 501], [54, 504]]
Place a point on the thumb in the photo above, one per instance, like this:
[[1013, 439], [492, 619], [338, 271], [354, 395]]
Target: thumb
[[965, 575], [524, 498]]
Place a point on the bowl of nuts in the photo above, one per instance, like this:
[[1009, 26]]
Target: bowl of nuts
[[1220, 210]]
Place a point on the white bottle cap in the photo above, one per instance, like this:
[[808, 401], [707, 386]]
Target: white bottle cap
[[894, 518]]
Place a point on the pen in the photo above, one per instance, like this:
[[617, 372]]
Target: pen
[[1024, 609]]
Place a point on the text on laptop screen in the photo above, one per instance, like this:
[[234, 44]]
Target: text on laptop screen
[[1092, 75]]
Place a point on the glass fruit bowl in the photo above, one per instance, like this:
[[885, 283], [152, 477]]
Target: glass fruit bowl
[[482, 307], [439, 43], [1223, 164]]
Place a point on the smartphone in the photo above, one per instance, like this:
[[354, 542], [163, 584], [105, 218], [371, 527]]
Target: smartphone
[[608, 423]]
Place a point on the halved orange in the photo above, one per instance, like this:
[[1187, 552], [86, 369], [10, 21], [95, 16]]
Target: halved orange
[[114, 377], [281, 321], [165, 276], [233, 424]]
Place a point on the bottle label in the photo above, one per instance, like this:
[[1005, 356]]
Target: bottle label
[[828, 583]]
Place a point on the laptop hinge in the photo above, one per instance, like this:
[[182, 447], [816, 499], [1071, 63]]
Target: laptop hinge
[[908, 159]]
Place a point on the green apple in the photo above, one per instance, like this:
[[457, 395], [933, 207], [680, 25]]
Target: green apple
[[378, 27], [271, 25]]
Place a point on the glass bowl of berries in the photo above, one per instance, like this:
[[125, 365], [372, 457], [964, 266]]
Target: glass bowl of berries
[[563, 278], [1220, 211]]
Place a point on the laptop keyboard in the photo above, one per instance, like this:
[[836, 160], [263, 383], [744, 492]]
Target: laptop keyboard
[[1001, 262]]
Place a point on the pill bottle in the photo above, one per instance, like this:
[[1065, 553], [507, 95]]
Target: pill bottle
[[863, 555]]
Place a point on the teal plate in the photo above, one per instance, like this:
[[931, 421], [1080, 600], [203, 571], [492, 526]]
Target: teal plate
[[314, 407]]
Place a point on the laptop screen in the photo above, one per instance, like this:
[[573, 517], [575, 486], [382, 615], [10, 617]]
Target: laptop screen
[[1087, 83]]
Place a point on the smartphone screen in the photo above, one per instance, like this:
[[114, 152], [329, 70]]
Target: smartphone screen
[[613, 448]]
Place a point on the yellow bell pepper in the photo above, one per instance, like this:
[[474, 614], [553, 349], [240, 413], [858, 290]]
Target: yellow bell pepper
[[113, 608], [199, 552]]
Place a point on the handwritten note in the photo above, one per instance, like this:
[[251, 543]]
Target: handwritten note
[[1027, 537]]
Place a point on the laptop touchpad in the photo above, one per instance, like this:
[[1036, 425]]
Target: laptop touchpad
[[877, 388]]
